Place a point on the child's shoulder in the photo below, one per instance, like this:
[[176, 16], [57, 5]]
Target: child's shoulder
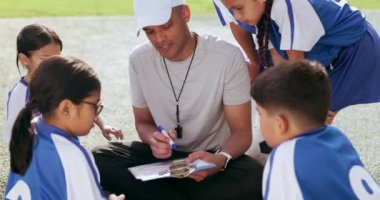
[[20, 86], [321, 150], [325, 140], [323, 146]]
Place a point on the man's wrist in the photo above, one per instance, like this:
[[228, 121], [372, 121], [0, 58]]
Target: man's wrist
[[226, 155]]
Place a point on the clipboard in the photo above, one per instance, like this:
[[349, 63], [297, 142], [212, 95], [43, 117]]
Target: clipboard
[[172, 168]]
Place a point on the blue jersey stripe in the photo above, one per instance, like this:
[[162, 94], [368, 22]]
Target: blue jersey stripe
[[221, 18], [291, 19], [267, 184]]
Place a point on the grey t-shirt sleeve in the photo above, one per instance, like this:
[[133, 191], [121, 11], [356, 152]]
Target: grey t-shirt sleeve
[[237, 84], [137, 96]]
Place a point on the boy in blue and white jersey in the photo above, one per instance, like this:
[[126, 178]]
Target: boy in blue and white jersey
[[309, 160]]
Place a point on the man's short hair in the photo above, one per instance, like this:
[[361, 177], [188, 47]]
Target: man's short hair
[[301, 87]]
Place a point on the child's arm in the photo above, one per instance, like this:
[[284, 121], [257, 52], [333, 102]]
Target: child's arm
[[108, 129], [246, 42], [276, 57]]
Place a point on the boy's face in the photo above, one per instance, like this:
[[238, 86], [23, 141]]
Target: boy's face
[[271, 127], [247, 11]]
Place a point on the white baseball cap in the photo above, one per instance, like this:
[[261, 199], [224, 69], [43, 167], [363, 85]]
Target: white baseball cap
[[154, 12]]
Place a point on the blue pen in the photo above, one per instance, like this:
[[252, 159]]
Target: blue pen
[[163, 131]]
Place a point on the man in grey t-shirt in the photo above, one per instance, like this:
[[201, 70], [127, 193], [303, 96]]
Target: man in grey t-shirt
[[198, 88]]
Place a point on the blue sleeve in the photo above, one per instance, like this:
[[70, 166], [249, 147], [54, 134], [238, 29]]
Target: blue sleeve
[[319, 168]]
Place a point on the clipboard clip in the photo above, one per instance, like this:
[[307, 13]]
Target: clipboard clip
[[180, 169]]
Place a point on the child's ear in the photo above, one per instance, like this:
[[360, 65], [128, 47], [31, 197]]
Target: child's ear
[[282, 123], [66, 108], [23, 59]]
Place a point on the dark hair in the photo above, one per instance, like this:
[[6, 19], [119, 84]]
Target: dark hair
[[57, 78], [263, 32], [301, 87], [33, 37]]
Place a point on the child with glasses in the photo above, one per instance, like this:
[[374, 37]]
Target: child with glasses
[[35, 43], [47, 160], [309, 160], [97, 106]]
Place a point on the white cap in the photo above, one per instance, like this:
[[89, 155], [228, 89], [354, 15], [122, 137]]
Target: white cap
[[154, 12]]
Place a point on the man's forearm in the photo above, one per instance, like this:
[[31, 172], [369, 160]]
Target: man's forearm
[[239, 120], [145, 131], [237, 144]]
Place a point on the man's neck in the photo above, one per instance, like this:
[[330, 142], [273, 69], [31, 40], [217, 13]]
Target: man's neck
[[188, 49]]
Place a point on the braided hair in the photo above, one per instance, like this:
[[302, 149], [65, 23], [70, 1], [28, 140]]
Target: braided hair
[[263, 34]]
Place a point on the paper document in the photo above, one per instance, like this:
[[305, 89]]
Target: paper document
[[172, 168]]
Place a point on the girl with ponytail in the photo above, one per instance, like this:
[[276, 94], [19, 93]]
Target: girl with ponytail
[[47, 160]]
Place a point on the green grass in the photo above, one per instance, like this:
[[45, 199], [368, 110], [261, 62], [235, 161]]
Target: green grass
[[45, 8], [365, 4], [42, 8]]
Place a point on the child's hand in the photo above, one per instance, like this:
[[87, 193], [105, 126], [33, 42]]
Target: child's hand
[[114, 197], [107, 130]]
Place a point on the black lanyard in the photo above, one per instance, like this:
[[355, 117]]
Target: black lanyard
[[178, 128]]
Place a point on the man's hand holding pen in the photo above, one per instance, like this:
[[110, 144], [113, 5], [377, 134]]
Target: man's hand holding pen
[[161, 143]]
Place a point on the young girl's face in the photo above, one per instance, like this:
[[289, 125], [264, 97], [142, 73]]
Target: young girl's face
[[37, 56], [86, 112], [247, 11]]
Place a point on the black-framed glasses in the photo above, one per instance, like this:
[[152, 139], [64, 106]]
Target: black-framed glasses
[[98, 107]]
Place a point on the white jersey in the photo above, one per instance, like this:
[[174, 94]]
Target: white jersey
[[16, 102], [321, 164], [61, 169]]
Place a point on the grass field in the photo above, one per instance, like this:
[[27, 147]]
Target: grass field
[[44, 8]]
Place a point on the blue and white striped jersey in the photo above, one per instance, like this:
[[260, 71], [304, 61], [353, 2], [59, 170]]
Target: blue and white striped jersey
[[332, 33], [16, 102], [60, 169], [321, 164], [320, 28]]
